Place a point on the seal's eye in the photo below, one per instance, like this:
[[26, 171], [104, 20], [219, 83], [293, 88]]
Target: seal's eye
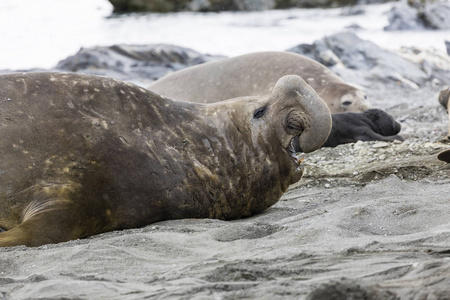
[[347, 103], [259, 112]]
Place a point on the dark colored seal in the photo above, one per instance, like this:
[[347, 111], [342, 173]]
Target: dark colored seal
[[371, 125], [83, 155], [256, 74], [444, 155]]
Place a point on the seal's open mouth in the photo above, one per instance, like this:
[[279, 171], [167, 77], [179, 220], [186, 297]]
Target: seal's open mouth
[[291, 150]]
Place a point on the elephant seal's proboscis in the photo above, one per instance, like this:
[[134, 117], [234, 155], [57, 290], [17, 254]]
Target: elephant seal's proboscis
[[82, 155], [256, 74]]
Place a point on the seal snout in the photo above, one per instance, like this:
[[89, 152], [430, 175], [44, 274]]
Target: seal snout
[[309, 119]]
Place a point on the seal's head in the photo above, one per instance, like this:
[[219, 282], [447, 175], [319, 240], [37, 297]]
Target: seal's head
[[304, 117], [292, 114], [347, 98], [383, 122]]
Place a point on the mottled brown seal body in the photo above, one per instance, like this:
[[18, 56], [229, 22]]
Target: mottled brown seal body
[[256, 74], [83, 155]]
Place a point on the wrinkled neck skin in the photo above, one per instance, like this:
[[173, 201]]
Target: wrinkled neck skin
[[246, 170]]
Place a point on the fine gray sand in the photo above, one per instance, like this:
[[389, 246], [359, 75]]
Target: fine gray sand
[[367, 221]]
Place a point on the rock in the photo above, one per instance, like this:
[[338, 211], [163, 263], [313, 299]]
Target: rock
[[353, 27], [304, 49], [239, 5], [199, 5], [353, 10], [419, 15], [361, 61], [314, 3], [140, 64], [255, 4], [436, 15], [380, 144], [403, 17], [326, 55], [318, 51], [364, 2], [417, 4], [436, 64], [447, 46], [123, 6], [126, 6]]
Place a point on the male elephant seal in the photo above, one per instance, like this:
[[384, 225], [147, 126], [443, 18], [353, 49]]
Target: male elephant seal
[[83, 155], [256, 74]]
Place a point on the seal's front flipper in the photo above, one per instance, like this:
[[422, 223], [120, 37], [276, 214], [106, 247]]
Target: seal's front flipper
[[51, 221], [370, 136]]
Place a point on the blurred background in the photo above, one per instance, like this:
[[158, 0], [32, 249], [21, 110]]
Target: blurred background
[[40, 33]]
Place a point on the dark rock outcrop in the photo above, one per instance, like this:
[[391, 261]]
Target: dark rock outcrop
[[434, 15], [313, 3], [140, 64], [126, 6], [403, 17], [364, 62]]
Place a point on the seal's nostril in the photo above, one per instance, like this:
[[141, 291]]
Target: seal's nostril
[[347, 103]]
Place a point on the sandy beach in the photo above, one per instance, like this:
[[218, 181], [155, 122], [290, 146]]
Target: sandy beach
[[384, 240]]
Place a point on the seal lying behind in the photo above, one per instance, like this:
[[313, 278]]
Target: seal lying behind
[[256, 74], [83, 155]]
